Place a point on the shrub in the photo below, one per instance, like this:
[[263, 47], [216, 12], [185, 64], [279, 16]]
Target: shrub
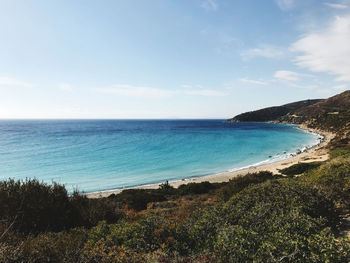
[[256, 204], [48, 247], [333, 179], [238, 183], [195, 188], [263, 223], [197, 233], [138, 199], [91, 211], [145, 235], [299, 168], [102, 253], [340, 152], [35, 207], [237, 244]]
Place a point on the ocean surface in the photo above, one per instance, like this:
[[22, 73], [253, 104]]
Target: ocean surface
[[93, 155]]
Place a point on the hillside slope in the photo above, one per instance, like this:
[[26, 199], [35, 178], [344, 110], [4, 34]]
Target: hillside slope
[[272, 113], [329, 114]]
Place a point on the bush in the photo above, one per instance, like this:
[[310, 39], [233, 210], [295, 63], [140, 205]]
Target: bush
[[333, 179], [197, 233], [100, 252], [195, 188], [340, 152], [91, 211], [256, 204], [268, 222], [48, 247], [238, 183], [145, 235], [299, 168], [237, 244], [35, 207], [138, 199]]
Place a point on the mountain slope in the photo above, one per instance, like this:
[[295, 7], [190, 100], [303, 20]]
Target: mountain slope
[[329, 114], [272, 113]]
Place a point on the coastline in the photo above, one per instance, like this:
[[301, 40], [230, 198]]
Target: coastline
[[317, 152]]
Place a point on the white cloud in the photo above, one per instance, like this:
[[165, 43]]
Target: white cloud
[[227, 44], [265, 51], [295, 79], [155, 93], [285, 4], [11, 82], [252, 81], [202, 92], [136, 91], [327, 50], [210, 5], [187, 86], [65, 87], [342, 87], [324, 92], [336, 5], [287, 75]]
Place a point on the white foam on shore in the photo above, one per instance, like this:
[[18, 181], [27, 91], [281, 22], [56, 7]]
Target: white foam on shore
[[279, 157]]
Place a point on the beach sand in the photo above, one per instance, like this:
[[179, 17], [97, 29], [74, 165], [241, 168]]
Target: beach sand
[[315, 153]]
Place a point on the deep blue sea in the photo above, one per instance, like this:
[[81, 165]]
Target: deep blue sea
[[93, 155]]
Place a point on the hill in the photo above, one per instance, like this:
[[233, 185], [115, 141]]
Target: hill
[[273, 113], [332, 114], [329, 114]]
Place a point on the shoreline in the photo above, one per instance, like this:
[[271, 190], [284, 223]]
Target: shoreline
[[316, 152]]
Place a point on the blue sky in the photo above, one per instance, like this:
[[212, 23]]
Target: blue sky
[[168, 58]]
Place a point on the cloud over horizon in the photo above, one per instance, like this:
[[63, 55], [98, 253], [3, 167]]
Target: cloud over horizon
[[156, 93], [265, 51], [65, 87], [327, 50], [252, 81], [287, 75], [336, 5], [12, 82], [210, 5], [285, 4]]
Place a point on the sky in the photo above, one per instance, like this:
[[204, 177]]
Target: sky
[[168, 58]]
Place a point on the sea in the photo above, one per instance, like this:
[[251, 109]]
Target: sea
[[96, 155]]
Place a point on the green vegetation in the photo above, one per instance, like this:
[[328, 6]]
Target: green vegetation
[[332, 114], [299, 168], [32, 207], [260, 217], [238, 183], [340, 152], [273, 113], [138, 199]]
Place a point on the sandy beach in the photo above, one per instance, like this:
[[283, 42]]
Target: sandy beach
[[315, 153]]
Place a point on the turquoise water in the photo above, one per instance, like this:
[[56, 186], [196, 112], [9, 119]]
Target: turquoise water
[[94, 155]]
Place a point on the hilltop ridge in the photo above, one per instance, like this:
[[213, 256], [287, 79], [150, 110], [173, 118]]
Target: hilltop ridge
[[330, 114], [272, 113]]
